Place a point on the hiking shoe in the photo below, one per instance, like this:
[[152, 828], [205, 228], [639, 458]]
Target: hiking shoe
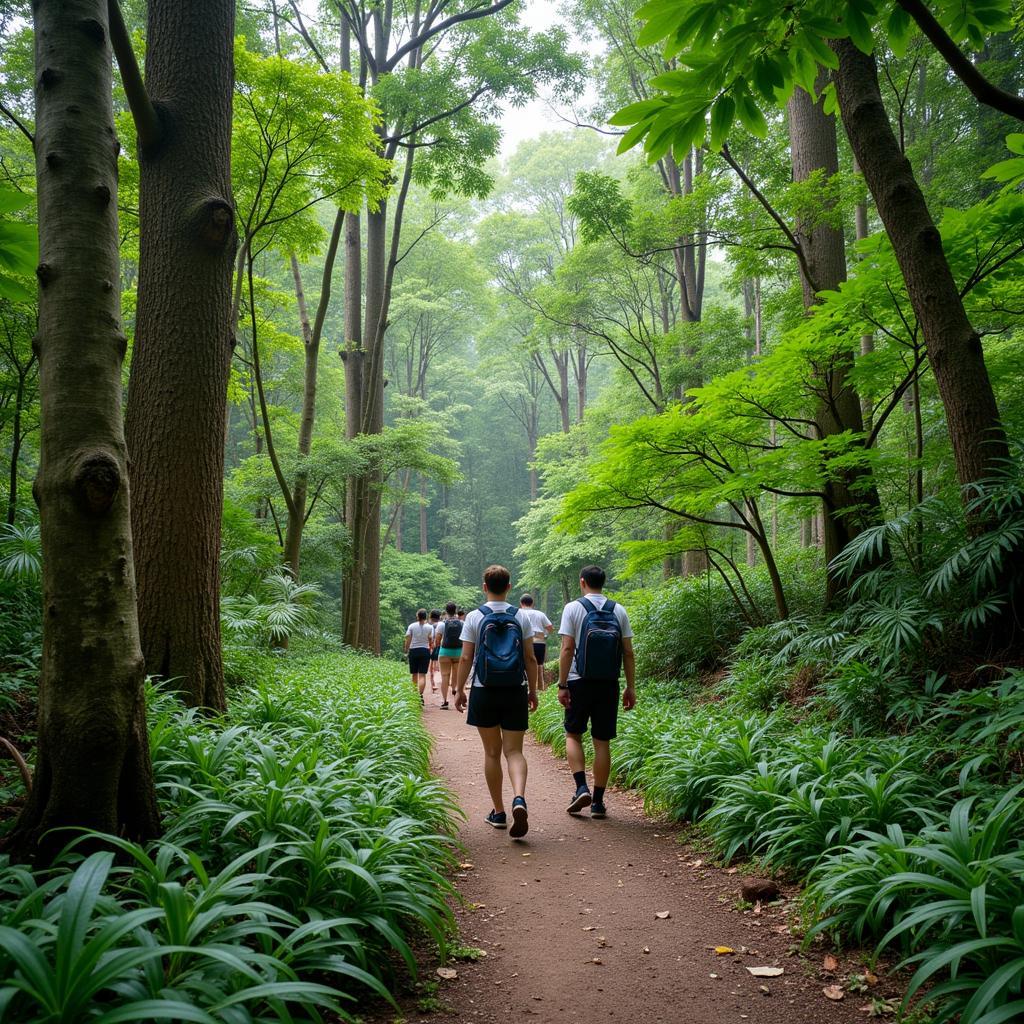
[[597, 809], [580, 800], [444, 705], [520, 819], [496, 819]]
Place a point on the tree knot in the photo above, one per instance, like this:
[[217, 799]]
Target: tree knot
[[215, 223], [96, 482], [93, 30]]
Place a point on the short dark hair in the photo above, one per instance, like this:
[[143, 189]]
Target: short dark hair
[[422, 615], [461, 613], [497, 579], [527, 599], [450, 608], [594, 576], [435, 614]]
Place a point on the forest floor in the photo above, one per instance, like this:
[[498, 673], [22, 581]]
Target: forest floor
[[572, 919]]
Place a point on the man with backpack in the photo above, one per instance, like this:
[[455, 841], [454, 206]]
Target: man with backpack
[[542, 628], [499, 665], [449, 650], [597, 643]]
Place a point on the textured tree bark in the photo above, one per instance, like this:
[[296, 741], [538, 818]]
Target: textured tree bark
[[867, 341], [851, 500], [953, 345], [92, 768], [177, 396]]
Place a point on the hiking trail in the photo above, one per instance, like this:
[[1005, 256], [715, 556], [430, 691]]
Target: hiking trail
[[568, 916]]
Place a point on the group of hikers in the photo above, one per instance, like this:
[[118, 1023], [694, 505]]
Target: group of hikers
[[491, 661]]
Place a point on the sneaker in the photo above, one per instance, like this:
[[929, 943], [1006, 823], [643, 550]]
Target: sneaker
[[444, 705], [496, 819], [580, 800], [597, 809], [520, 819]]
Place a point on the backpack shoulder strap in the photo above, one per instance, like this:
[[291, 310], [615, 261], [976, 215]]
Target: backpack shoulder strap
[[609, 605], [588, 604], [485, 610]]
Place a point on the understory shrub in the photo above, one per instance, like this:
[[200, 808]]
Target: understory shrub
[[306, 847]]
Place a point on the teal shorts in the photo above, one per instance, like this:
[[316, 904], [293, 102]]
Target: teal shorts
[[450, 652]]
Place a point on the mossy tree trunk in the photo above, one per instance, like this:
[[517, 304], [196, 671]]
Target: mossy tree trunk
[[93, 769]]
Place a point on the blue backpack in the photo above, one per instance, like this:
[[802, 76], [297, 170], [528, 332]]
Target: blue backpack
[[498, 660], [599, 652]]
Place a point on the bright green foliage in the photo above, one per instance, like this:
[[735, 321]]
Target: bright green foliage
[[295, 849], [734, 61], [18, 247]]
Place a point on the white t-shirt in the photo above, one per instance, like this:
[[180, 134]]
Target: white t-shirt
[[539, 624], [471, 627], [421, 632], [573, 615]]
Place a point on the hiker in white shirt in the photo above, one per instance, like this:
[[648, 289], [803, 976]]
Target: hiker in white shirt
[[498, 655], [593, 697], [418, 640], [542, 628]]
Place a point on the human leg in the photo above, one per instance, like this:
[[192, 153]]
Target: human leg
[[512, 747], [493, 776], [574, 752], [447, 666], [602, 763]]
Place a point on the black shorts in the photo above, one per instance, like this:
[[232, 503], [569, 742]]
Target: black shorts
[[539, 651], [435, 654], [597, 703], [506, 706], [419, 660]]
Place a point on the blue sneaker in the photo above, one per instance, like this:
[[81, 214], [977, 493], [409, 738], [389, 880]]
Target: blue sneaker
[[520, 819], [496, 819], [580, 800], [598, 810]]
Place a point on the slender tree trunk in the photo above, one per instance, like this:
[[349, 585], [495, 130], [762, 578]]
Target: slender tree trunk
[[177, 398], [867, 341], [16, 439], [92, 767], [424, 539], [851, 500], [953, 345], [311, 335]]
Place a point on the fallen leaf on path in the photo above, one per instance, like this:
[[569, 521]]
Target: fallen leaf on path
[[871, 979], [448, 973], [830, 963], [766, 972], [466, 866], [527, 855], [724, 950], [712, 975], [596, 960], [590, 928], [647, 949], [833, 992], [602, 941], [663, 915], [764, 989]]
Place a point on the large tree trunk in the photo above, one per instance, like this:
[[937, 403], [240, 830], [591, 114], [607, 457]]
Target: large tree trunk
[[183, 341], [93, 769], [851, 500], [953, 345]]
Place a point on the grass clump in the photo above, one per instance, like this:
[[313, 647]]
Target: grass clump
[[306, 849]]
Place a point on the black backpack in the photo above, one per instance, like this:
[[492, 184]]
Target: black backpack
[[451, 638], [599, 652]]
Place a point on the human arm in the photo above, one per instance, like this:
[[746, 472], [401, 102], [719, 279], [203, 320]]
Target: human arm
[[629, 664], [531, 674], [565, 657], [465, 668], [408, 640]]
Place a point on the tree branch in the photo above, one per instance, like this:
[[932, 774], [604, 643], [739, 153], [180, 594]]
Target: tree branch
[[18, 123], [979, 86], [147, 120], [417, 41]]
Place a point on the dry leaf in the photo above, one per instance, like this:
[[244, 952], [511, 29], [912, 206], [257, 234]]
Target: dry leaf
[[724, 950], [590, 928], [647, 949], [466, 866], [663, 915], [597, 960], [448, 973], [834, 992], [831, 963], [766, 972], [871, 979]]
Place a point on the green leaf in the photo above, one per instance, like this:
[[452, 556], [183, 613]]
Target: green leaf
[[634, 135], [860, 30], [722, 114], [750, 116], [635, 112], [899, 27]]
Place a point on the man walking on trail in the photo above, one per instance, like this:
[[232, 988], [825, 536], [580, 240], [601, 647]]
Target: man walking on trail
[[449, 651], [541, 628], [418, 638], [435, 649], [597, 643], [498, 656]]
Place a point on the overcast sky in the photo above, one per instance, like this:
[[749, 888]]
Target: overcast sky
[[542, 114]]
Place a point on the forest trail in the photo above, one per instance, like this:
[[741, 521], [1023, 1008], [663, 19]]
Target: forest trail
[[541, 907]]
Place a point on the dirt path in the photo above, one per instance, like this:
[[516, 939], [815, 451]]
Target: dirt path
[[568, 916]]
